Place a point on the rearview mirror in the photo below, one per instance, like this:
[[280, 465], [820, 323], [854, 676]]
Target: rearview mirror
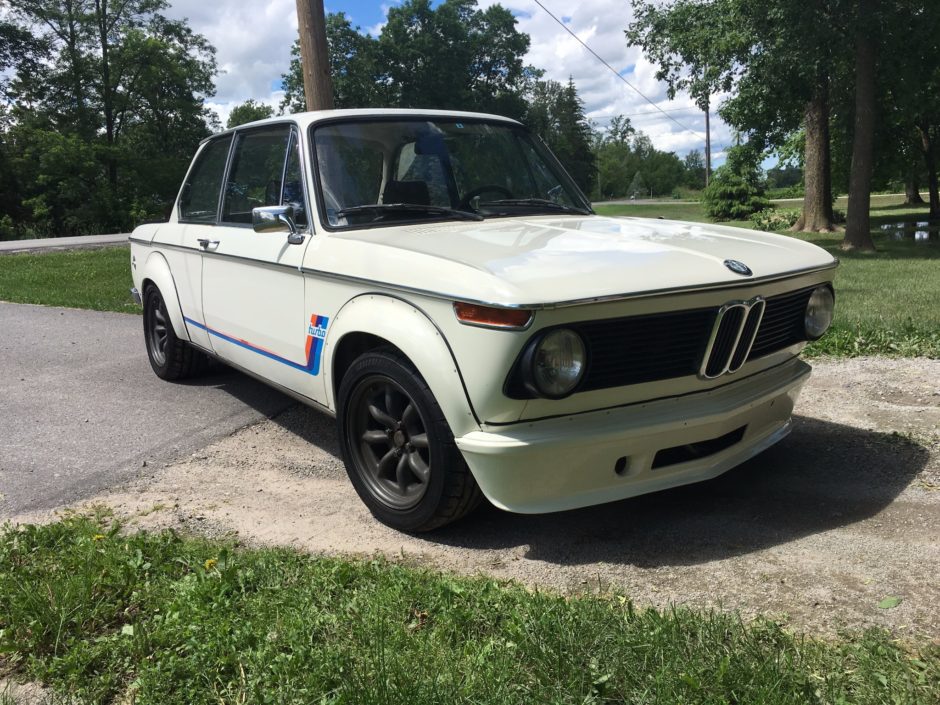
[[273, 219]]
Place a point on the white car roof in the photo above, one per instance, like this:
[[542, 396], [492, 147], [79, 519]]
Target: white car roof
[[310, 117]]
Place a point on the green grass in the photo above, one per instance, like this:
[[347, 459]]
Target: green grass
[[886, 302], [156, 618], [97, 279]]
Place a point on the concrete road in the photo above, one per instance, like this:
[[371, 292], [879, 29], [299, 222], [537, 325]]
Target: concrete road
[[81, 410], [62, 243]]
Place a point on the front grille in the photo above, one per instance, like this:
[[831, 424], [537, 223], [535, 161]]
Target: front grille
[[637, 349], [782, 325], [644, 348]]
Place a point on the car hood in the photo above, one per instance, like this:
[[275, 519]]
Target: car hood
[[552, 259]]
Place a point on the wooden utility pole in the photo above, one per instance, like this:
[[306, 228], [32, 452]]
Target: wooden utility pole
[[314, 55]]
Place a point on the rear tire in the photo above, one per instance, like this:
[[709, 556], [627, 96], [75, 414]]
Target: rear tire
[[398, 448], [170, 357]]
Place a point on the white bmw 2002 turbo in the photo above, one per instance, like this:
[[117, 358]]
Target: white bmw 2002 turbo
[[437, 282]]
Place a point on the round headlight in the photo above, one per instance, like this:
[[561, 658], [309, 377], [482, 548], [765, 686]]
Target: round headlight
[[557, 363], [819, 310]]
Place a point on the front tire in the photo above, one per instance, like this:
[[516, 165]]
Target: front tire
[[398, 449], [170, 357]]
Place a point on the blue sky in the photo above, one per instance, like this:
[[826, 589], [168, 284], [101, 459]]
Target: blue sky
[[253, 42]]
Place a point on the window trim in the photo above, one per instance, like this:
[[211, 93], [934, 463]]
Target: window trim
[[294, 135], [218, 205], [416, 117]]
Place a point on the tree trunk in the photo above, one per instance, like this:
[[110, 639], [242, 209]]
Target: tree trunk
[[817, 178], [857, 223], [912, 195], [930, 158], [314, 55], [107, 92]]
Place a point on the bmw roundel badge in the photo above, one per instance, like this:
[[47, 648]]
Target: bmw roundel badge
[[738, 267]]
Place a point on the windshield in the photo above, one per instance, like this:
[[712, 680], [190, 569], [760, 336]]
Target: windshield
[[384, 172]]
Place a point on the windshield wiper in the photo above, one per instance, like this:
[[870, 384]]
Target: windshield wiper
[[538, 202], [409, 208]]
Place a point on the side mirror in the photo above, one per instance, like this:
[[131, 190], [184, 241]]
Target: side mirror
[[275, 219]]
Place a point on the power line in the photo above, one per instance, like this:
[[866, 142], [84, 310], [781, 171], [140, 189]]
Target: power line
[[645, 112], [613, 70]]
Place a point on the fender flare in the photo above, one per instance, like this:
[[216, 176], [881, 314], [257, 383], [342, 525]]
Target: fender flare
[[157, 270], [411, 330]]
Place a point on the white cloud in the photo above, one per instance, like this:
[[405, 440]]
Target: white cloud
[[601, 24], [254, 40]]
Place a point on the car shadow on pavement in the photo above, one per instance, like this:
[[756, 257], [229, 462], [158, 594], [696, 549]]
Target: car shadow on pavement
[[823, 476], [260, 396]]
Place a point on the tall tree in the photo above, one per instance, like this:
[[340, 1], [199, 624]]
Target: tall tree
[[858, 227], [556, 114], [354, 67], [694, 165], [776, 60], [249, 111], [453, 55], [103, 127]]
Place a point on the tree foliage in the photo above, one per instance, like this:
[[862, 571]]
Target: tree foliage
[[736, 190], [623, 153], [556, 114], [249, 111], [104, 112], [452, 56]]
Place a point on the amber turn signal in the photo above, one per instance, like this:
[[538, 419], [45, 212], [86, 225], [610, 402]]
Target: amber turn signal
[[492, 317]]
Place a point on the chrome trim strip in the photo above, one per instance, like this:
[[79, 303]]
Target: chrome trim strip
[[747, 306], [200, 251], [572, 302], [761, 305]]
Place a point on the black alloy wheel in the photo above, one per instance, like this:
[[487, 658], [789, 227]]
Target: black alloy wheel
[[392, 447], [170, 357], [398, 449]]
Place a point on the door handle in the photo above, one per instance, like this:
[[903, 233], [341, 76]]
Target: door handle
[[205, 243]]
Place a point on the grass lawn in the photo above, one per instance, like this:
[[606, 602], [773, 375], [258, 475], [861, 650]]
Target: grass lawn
[[155, 618], [97, 279], [886, 302]]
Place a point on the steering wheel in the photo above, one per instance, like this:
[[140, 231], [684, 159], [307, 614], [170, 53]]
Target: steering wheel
[[470, 195]]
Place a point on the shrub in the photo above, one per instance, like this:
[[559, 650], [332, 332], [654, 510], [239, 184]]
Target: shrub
[[775, 218], [730, 196]]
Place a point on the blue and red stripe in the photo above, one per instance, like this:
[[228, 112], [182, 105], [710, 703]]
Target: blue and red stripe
[[313, 349]]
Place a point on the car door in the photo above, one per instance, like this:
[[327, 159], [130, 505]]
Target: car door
[[252, 286], [196, 221]]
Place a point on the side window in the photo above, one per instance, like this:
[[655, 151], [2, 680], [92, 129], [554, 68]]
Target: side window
[[256, 174], [199, 200], [293, 191]]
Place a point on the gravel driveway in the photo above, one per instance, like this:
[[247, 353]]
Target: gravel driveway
[[816, 531]]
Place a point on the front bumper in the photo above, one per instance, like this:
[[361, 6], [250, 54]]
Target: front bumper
[[603, 456]]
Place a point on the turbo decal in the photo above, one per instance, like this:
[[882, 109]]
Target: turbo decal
[[316, 334]]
